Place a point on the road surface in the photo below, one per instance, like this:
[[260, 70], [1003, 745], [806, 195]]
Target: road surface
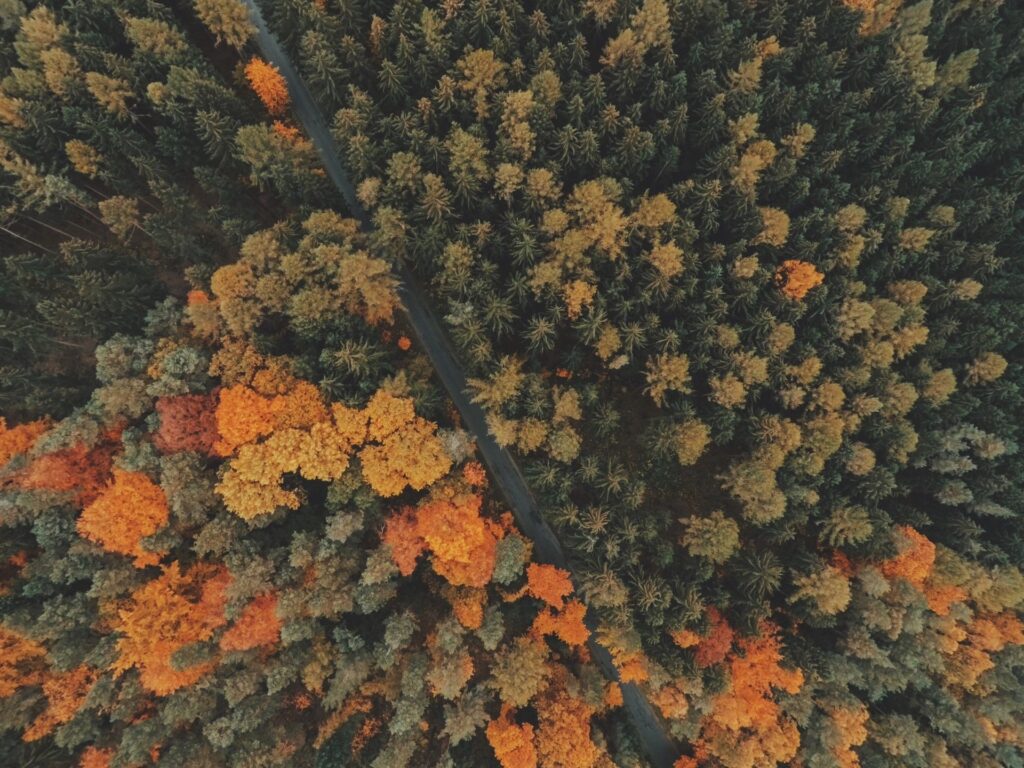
[[504, 470]]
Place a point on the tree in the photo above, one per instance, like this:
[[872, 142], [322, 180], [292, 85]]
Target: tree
[[463, 545], [23, 662], [547, 583], [20, 438], [187, 423], [258, 625], [512, 744], [165, 615], [228, 20], [268, 84], [796, 278], [129, 509], [715, 537]]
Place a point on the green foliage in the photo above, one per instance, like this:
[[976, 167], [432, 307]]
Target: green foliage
[[642, 198]]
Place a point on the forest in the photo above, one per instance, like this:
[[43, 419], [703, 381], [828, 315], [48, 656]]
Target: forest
[[507, 384]]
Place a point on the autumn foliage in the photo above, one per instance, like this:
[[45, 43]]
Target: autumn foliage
[[126, 511], [65, 694], [258, 625], [187, 423], [563, 733], [269, 85], [547, 583], [162, 617], [22, 662], [396, 448], [19, 438], [80, 470], [462, 543], [513, 744], [796, 278], [746, 727]]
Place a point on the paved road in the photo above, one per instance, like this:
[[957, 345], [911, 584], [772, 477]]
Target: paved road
[[424, 320]]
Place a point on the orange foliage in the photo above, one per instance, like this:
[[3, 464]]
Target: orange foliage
[[258, 625], [671, 700], [81, 470], [842, 563], [19, 439], [401, 534], [745, 722], [795, 278], [243, 415], [941, 597], [300, 407], [354, 705], [287, 132], [632, 668], [685, 638], [367, 730], [129, 509], [563, 734], [65, 693], [972, 646], [512, 743], [613, 695], [463, 546], [22, 662], [547, 583], [268, 84], [568, 625], [94, 757], [165, 615], [468, 605], [474, 474], [305, 436], [1009, 626], [914, 563], [851, 728], [187, 423], [197, 297]]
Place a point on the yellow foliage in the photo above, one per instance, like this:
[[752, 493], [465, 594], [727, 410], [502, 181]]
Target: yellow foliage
[[666, 373]]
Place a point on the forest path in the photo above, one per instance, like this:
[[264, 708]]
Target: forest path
[[655, 741]]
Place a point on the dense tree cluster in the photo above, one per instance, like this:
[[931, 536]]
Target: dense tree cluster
[[128, 152], [739, 285], [212, 563]]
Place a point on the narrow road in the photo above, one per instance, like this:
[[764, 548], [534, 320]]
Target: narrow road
[[660, 749]]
